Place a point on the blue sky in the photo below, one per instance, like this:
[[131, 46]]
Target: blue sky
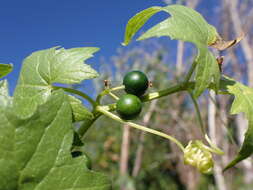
[[29, 25]]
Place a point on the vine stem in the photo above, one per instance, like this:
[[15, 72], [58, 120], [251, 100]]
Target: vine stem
[[137, 126], [173, 89], [155, 95], [195, 103], [113, 96], [190, 72], [77, 92], [179, 87]]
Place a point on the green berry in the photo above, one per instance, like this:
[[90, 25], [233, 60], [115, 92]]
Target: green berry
[[128, 106], [136, 82]]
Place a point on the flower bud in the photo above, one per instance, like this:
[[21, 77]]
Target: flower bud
[[197, 155]]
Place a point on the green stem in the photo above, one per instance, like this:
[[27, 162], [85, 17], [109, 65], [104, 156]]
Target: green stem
[[77, 92], [109, 107], [85, 126], [155, 95], [113, 96], [195, 103], [173, 89], [107, 91], [115, 117], [189, 74], [117, 88], [213, 146]]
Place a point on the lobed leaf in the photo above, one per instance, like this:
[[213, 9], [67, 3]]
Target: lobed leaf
[[43, 68], [184, 24], [187, 25], [5, 69], [243, 102], [35, 152]]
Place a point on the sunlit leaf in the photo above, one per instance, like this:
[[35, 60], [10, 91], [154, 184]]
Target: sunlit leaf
[[136, 22], [43, 68], [184, 24]]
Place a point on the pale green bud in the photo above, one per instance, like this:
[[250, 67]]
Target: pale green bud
[[197, 154]]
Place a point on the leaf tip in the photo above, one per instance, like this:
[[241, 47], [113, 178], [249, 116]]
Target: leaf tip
[[232, 163], [227, 167], [96, 49]]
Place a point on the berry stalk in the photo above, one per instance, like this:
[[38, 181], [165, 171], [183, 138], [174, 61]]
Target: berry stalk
[[137, 126]]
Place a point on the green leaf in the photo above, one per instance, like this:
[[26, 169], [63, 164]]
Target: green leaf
[[35, 152], [207, 71], [80, 112], [136, 22], [5, 69], [43, 68], [243, 102], [184, 24], [187, 25], [4, 93]]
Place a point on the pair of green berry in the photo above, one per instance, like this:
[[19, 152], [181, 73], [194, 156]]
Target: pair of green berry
[[129, 105]]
